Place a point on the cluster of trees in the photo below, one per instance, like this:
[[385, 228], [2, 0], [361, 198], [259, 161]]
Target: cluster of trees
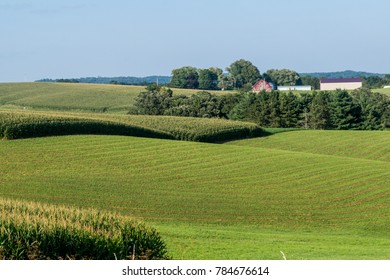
[[114, 80], [361, 109], [240, 74], [376, 81]]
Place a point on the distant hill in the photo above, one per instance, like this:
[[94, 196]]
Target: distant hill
[[341, 74], [115, 80], [163, 80]]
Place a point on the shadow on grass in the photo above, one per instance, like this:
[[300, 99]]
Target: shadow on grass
[[263, 132], [272, 131]]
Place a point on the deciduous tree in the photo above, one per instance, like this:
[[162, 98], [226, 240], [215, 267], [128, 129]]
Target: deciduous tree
[[243, 72]]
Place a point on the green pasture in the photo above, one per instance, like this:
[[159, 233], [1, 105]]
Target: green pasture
[[373, 145], [310, 194], [218, 201], [382, 90]]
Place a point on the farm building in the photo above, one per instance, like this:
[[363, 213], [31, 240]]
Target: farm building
[[332, 84], [262, 85], [288, 88]]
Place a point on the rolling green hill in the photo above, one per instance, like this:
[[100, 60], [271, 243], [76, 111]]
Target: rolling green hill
[[75, 97], [310, 194], [67, 96], [355, 144], [213, 201]]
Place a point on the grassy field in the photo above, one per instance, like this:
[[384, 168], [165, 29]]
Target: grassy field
[[76, 97], [213, 201], [310, 194], [382, 90], [373, 145]]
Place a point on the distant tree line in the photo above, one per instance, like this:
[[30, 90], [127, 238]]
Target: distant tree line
[[162, 80], [242, 74], [361, 109]]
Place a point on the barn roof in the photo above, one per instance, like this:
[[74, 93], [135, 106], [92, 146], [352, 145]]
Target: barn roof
[[341, 80], [262, 85]]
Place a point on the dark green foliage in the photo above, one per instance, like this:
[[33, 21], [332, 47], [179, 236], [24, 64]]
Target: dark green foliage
[[289, 110], [373, 109], [283, 77], [243, 72], [185, 77], [204, 105], [344, 114], [208, 79], [245, 108], [339, 109], [154, 101], [311, 81], [319, 111]]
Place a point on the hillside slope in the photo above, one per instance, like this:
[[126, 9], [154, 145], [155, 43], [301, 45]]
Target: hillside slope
[[373, 145], [74, 97], [67, 96], [199, 182], [199, 196]]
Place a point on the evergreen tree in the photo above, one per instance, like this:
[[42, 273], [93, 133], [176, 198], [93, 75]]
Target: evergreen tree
[[343, 112], [372, 108], [244, 108], [319, 111], [263, 109], [288, 110]]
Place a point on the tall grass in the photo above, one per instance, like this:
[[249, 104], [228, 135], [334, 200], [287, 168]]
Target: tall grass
[[40, 231]]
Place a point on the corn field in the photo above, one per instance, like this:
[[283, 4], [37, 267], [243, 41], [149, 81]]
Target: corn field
[[20, 124], [39, 231], [16, 125]]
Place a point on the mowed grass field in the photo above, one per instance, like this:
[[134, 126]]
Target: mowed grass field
[[374, 145], [239, 200], [309, 194], [383, 90]]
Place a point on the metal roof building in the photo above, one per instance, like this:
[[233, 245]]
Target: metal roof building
[[333, 84]]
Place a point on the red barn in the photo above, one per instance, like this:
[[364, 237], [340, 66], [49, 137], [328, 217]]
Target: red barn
[[262, 85]]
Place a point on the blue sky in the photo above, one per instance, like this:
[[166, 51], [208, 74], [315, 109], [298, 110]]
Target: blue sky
[[81, 38]]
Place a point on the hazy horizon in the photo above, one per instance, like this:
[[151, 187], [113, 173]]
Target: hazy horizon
[[72, 39]]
